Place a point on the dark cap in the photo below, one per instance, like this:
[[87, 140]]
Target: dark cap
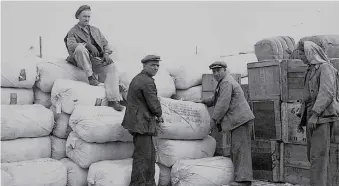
[[81, 8], [150, 58], [218, 64]]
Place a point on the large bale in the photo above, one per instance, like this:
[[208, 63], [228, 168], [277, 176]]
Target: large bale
[[185, 76], [21, 121], [84, 154], [42, 98], [290, 42], [184, 120], [164, 176], [61, 128], [41, 172], [190, 94], [76, 176], [16, 96], [49, 72], [66, 94], [169, 151], [25, 149], [117, 172], [99, 124], [6, 178], [18, 74], [58, 148], [330, 44], [205, 171]]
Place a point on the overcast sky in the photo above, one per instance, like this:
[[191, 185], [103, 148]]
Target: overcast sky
[[169, 29]]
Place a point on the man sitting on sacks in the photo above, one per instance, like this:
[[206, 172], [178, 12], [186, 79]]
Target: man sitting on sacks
[[88, 50], [232, 114]]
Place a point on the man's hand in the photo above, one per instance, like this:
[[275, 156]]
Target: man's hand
[[312, 122], [107, 59], [300, 129], [198, 101], [91, 48], [160, 119]]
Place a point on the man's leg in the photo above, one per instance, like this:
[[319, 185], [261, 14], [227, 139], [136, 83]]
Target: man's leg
[[241, 154], [319, 156], [143, 168], [81, 57], [109, 75]]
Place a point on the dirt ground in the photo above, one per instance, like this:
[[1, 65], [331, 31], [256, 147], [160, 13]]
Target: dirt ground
[[261, 183]]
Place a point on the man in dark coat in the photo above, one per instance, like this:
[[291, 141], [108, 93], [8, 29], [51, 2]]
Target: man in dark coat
[[142, 117], [233, 115], [88, 50]]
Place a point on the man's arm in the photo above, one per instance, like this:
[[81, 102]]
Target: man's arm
[[104, 43], [208, 101], [223, 101], [71, 41], [326, 91], [150, 95]]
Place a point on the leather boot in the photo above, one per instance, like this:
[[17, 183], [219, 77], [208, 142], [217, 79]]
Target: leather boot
[[93, 81], [115, 105]]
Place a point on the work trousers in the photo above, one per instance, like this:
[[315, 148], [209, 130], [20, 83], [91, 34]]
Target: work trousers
[[107, 74], [143, 168]]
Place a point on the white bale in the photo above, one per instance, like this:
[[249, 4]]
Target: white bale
[[67, 94], [169, 151], [290, 42], [266, 49], [165, 175], [16, 96], [191, 94], [6, 178], [42, 98], [25, 149], [41, 172], [99, 124], [20, 121], [49, 72], [185, 76], [76, 176], [164, 83], [58, 148], [330, 44], [61, 128], [184, 120], [206, 171], [116, 172], [18, 74], [84, 154]]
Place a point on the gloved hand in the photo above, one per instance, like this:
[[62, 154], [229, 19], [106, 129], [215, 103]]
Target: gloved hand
[[92, 49], [107, 59], [312, 122]]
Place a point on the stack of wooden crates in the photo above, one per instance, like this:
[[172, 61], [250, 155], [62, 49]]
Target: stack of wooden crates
[[279, 152]]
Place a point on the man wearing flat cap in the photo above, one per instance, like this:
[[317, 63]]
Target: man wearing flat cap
[[88, 50], [142, 119], [232, 114]]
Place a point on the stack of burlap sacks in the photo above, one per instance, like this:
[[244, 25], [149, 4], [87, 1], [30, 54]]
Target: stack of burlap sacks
[[75, 139]]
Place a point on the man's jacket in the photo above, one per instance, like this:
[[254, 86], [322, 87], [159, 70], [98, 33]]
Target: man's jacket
[[142, 106], [76, 36], [321, 88], [230, 106]]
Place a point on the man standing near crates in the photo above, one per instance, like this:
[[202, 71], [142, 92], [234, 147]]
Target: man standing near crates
[[233, 114], [88, 50], [320, 110]]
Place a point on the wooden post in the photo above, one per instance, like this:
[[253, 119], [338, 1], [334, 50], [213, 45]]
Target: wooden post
[[40, 43]]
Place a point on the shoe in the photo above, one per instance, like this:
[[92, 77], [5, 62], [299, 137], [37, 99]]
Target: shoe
[[242, 183], [116, 105], [93, 81]]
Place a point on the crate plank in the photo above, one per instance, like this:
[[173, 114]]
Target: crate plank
[[273, 80], [266, 162], [290, 122], [334, 163], [335, 133], [267, 123]]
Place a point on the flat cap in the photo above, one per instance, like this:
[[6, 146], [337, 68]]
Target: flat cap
[[218, 64], [81, 8], [150, 58]]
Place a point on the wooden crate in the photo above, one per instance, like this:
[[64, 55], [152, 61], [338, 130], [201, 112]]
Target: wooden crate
[[335, 133], [274, 80], [209, 83], [335, 62], [334, 163], [267, 123], [290, 122], [266, 160], [296, 165]]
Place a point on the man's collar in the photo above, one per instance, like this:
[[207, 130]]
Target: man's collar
[[144, 72], [86, 28]]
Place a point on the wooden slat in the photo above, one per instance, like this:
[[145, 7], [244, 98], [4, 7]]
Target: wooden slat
[[335, 133], [295, 83], [294, 95], [262, 64], [334, 163], [267, 124], [290, 122], [295, 75]]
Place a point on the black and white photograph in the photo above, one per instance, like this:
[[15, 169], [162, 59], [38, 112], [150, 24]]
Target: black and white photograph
[[169, 93]]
